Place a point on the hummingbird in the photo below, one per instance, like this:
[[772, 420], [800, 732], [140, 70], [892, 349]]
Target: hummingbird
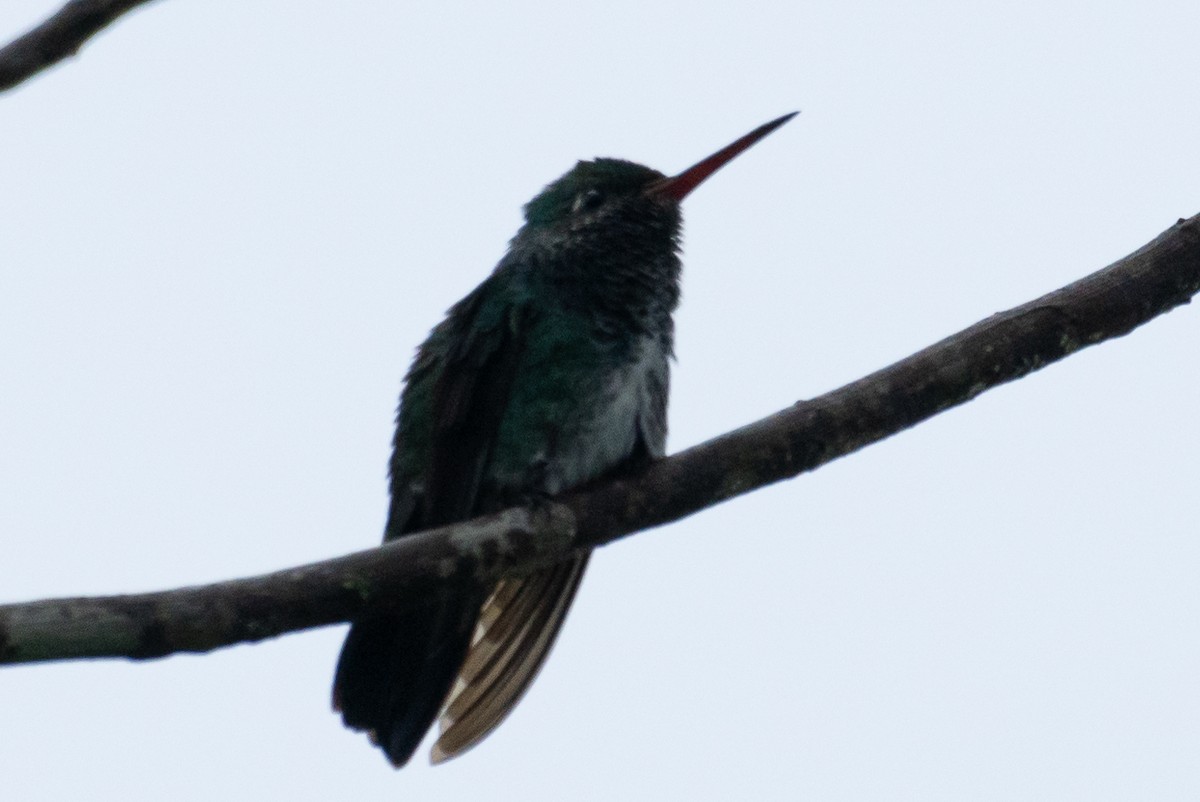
[[551, 373]]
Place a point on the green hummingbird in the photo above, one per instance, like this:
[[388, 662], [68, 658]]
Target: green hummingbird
[[552, 372]]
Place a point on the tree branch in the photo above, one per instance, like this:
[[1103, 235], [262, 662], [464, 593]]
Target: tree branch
[[1158, 277], [58, 37]]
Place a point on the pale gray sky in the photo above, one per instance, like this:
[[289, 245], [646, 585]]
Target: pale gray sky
[[227, 225]]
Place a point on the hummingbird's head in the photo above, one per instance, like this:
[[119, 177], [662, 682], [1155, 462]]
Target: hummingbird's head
[[620, 204], [604, 201], [607, 234]]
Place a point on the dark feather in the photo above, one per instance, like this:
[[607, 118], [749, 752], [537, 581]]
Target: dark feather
[[395, 670]]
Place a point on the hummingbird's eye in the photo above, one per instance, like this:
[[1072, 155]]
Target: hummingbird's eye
[[588, 201]]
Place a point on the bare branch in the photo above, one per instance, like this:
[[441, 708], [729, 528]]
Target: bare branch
[[1158, 277], [57, 38]]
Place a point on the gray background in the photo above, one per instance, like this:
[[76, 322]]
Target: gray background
[[225, 227]]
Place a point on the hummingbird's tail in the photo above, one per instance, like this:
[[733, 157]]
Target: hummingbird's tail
[[517, 626], [468, 655], [395, 670]]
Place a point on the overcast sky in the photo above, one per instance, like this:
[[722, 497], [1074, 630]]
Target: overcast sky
[[226, 225]]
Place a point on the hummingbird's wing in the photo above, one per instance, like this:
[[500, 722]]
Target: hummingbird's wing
[[520, 617], [470, 397], [396, 670]]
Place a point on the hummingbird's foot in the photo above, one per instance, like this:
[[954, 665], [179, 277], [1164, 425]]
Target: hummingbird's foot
[[534, 500]]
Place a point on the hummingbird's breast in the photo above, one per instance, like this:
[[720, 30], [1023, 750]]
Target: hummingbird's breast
[[582, 407], [633, 401]]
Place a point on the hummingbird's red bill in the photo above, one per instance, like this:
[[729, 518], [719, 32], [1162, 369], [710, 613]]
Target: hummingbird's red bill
[[677, 187]]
